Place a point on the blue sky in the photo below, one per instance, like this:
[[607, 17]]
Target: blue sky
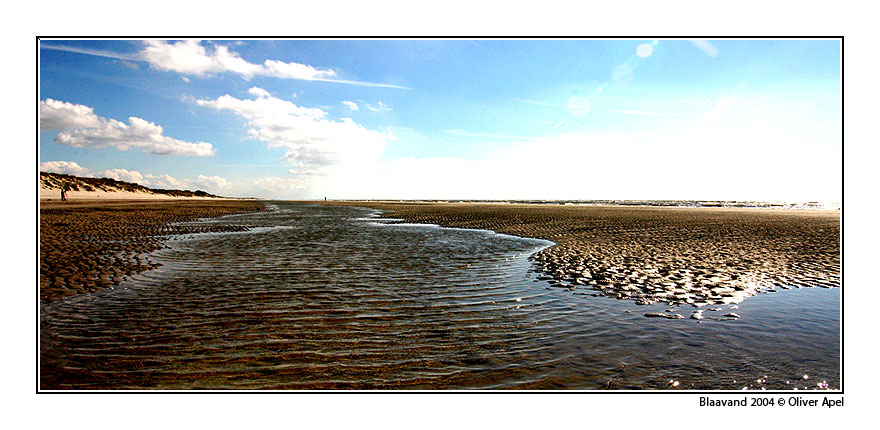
[[473, 119]]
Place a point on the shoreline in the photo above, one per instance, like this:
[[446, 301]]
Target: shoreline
[[54, 195], [91, 245], [699, 256]]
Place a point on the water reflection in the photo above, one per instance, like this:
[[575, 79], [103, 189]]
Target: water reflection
[[329, 298]]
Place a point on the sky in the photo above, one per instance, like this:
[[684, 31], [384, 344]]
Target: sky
[[542, 119]]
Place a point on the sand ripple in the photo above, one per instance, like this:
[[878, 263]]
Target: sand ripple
[[678, 256], [91, 246]]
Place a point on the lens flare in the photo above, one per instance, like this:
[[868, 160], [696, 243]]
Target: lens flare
[[578, 106], [622, 74], [645, 50]]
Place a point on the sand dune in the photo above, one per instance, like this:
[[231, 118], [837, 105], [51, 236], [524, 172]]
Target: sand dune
[[55, 194], [78, 188]]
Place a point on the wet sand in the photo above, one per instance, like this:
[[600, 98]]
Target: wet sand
[[86, 246], [317, 297], [674, 255]]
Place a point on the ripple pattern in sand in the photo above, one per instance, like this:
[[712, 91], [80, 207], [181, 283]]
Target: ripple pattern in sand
[[324, 298]]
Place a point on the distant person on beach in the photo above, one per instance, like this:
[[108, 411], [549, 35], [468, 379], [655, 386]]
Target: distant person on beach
[[64, 192]]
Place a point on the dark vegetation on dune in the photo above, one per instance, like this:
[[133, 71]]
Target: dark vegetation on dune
[[77, 183]]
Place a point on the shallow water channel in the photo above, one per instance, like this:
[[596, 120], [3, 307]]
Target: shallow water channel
[[321, 297]]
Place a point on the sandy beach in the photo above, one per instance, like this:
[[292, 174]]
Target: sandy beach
[[677, 255], [92, 244], [314, 296], [54, 194]]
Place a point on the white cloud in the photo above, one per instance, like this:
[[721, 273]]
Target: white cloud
[[380, 107], [259, 92], [94, 52], [280, 69], [314, 143], [210, 182], [147, 180], [191, 57], [724, 161], [351, 105], [262, 108], [58, 115], [64, 167], [81, 128], [129, 64]]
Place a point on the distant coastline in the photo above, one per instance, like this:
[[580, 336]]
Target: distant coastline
[[746, 204]]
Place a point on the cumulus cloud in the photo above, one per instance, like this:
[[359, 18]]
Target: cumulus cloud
[[80, 127], [259, 92], [147, 180], [58, 115], [280, 69], [191, 57], [351, 105], [212, 184], [314, 144], [64, 167]]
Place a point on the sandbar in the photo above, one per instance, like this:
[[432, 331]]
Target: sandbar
[[676, 255]]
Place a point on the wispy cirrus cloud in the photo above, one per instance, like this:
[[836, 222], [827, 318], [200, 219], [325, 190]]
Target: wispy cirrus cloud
[[642, 112], [378, 107], [576, 105], [480, 134], [92, 52], [80, 127], [193, 58], [540, 103]]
